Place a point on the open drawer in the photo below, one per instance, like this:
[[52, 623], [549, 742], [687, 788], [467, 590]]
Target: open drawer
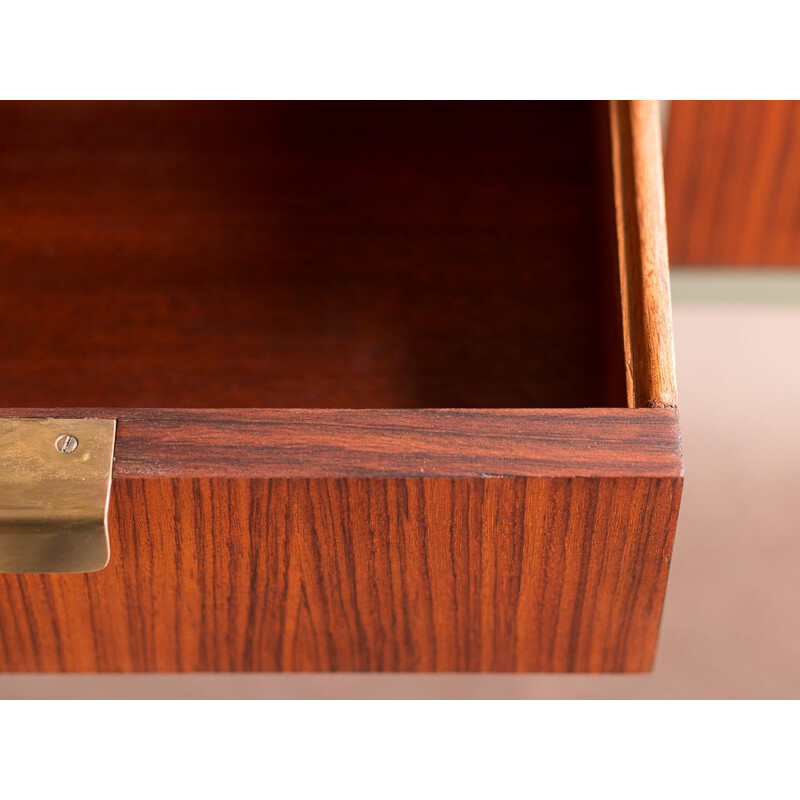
[[393, 385]]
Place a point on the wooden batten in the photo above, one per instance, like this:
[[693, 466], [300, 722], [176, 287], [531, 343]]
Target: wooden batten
[[643, 258]]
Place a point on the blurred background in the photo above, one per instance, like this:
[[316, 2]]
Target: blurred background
[[731, 626]]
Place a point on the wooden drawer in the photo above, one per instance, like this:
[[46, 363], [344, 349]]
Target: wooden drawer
[[393, 382]]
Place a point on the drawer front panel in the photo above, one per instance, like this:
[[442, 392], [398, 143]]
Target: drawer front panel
[[431, 574]]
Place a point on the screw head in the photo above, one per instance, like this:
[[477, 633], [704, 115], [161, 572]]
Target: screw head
[[66, 443]]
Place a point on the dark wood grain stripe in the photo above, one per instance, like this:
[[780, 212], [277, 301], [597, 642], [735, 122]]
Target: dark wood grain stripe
[[381, 443]]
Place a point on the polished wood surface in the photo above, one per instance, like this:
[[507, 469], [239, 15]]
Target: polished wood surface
[[733, 182], [547, 573], [369, 263], [642, 251], [307, 443], [270, 255]]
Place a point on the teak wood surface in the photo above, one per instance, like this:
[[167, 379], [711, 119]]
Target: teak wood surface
[[556, 562], [642, 252], [733, 182], [330, 538]]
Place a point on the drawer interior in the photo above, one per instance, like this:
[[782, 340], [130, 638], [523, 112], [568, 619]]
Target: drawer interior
[[342, 255]]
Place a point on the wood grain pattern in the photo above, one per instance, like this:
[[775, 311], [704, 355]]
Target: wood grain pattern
[[430, 574], [318, 564], [642, 252], [307, 443], [419, 279], [733, 182], [343, 255]]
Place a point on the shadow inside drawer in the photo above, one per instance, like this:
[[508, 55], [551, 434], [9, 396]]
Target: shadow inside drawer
[[300, 255]]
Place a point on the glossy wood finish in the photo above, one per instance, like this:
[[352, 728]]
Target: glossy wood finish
[[305, 443], [547, 573], [394, 256], [733, 183], [642, 252], [299, 255]]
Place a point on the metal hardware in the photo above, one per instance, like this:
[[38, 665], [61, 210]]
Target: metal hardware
[[66, 443], [54, 499]]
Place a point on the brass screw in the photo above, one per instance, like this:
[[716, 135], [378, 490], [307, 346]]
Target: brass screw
[[66, 443]]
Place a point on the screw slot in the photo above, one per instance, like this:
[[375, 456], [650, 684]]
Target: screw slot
[[66, 443]]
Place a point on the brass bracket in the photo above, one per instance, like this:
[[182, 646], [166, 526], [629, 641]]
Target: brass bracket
[[55, 479]]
